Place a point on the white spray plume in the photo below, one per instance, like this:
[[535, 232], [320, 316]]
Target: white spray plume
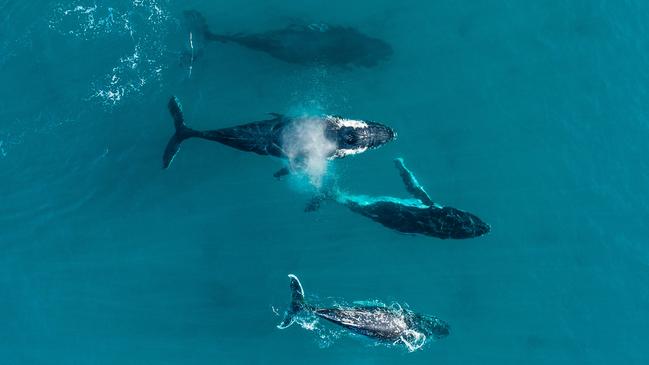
[[308, 148]]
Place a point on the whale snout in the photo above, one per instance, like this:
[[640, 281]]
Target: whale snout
[[472, 226], [357, 136], [379, 134], [479, 227], [431, 326], [442, 331]]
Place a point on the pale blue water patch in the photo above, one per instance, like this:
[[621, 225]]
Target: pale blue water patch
[[531, 115]]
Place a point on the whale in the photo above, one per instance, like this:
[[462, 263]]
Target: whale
[[313, 44], [279, 135], [419, 215], [391, 324]]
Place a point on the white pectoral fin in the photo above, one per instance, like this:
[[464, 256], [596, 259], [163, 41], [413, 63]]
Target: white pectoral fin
[[412, 185]]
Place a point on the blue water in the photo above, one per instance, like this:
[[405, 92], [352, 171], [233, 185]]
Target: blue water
[[533, 115]]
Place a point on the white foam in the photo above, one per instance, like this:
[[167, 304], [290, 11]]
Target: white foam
[[141, 22], [413, 340]]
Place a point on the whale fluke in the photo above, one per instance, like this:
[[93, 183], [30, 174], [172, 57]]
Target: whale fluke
[[182, 132], [197, 23], [297, 302]]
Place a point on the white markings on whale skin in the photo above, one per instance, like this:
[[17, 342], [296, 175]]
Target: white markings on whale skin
[[143, 23], [342, 122], [342, 152]]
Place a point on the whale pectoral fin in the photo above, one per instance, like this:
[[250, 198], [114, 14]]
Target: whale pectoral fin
[[286, 322], [281, 173], [314, 203], [412, 185]]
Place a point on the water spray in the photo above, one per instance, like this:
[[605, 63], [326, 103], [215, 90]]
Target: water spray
[[308, 149]]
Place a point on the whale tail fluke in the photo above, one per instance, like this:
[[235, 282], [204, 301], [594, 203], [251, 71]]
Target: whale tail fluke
[[297, 302], [182, 132], [196, 23]]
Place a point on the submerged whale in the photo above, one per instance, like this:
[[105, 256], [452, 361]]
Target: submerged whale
[[391, 324], [314, 44], [415, 216], [283, 136]]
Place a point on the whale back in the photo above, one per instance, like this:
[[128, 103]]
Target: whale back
[[321, 44], [373, 321], [408, 216], [263, 138]]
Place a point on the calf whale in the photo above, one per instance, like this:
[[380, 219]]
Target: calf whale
[[414, 216], [314, 44], [391, 324], [284, 136]]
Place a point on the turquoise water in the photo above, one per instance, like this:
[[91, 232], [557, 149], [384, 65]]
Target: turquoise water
[[532, 115]]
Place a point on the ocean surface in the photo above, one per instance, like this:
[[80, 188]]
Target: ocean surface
[[532, 115]]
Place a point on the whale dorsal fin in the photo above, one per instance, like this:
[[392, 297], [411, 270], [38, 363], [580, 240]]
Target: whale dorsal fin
[[276, 115]]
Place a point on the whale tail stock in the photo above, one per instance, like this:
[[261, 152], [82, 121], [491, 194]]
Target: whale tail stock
[[297, 302], [182, 132]]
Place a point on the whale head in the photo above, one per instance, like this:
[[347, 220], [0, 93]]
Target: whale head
[[461, 224], [373, 52], [356, 136], [432, 327], [360, 49]]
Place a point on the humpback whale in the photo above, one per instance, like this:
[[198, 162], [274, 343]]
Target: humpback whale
[[414, 216], [314, 44], [395, 325], [275, 136]]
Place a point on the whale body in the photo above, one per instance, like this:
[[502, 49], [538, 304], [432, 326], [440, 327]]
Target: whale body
[[410, 216], [313, 44], [389, 324], [418, 215], [276, 136]]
